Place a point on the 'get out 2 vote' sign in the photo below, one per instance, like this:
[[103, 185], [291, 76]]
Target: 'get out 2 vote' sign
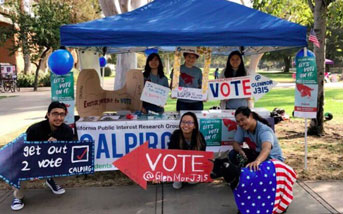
[[26, 160], [144, 164], [240, 87]]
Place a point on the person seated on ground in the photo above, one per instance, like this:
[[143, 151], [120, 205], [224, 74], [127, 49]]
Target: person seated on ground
[[255, 131], [51, 129], [153, 72], [187, 137], [190, 77], [234, 68]]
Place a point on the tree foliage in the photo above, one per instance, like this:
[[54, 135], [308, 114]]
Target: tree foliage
[[38, 33]]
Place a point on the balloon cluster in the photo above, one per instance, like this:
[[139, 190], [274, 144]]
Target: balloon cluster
[[61, 62]]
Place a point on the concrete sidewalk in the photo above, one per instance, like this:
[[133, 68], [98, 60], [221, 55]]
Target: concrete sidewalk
[[23, 108], [162, 198]]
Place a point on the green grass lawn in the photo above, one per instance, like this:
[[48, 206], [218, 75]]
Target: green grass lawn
[[278, 76], [284, 98]]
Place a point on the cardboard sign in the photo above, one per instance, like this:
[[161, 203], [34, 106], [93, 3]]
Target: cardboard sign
[[240, 87], [306, 92], [261, 85], [143, 164], [92, 100], [62, 89], [230, 88], [155, 94], [24, 160], [181, 92], [189, 93]]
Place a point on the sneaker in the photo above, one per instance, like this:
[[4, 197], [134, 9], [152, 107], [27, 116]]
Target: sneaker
[[17, 204], [56, 189], [177, 185]]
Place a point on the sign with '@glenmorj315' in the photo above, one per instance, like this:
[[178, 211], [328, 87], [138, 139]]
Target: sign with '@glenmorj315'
[[144, 164], [27, 160]]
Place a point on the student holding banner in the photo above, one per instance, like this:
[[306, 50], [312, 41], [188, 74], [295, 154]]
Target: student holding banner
[[261, 139], [190, 77], [234, 68], [153, 72], [187, 137], [51, 129]]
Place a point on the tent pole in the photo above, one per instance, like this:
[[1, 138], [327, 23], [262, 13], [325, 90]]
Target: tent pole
[[305, 161]]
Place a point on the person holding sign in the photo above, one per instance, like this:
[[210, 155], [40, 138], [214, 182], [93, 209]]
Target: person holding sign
[[261, 139], [187, 137], [153, 72], [190, 77], [51, 129], [234, 68]]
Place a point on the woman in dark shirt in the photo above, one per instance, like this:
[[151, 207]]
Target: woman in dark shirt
[[187, 137]]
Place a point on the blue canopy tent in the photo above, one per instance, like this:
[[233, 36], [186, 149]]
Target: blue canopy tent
[[220, 24]]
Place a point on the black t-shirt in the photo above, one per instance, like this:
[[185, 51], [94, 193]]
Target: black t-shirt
[[41, 132], [175, 142]]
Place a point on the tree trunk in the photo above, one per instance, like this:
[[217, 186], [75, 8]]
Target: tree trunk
[[287, 61], [127, 61], [26, 55], [320, 14], [35, 84]]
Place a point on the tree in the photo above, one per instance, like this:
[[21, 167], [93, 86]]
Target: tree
[[319, 9], [294, 11], [312, 12], [38, 34]]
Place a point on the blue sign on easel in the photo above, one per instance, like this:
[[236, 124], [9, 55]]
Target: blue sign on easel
[[27, 160]]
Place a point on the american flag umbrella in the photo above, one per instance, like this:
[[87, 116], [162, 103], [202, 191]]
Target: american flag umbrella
[[268, 190]]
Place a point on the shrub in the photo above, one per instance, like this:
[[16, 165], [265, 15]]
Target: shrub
[[44, 80], [28, 80], [25, 80]]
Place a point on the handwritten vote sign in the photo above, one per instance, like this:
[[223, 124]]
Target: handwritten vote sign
[[26, 160], [143, 164], [155, 94], [189, 93]]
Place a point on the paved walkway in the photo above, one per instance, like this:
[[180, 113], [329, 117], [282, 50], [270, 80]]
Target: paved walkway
[[197, 199]]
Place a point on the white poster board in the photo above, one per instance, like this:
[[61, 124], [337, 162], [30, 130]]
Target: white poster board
[[155, 94]]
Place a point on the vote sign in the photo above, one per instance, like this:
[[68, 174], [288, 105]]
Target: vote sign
[[143, 164], [240, 87], [26, 160]]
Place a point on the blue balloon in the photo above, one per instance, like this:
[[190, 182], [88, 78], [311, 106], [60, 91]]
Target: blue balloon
[[61, 62], [150, 51], [102, 61], [301, 53]]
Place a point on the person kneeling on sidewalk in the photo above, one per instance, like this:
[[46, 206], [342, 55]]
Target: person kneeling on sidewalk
[[187, 137], [51, 129]]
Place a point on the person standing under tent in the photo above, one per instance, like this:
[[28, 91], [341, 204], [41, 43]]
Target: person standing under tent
[[234, 68], [190, 77], [153, 72]]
